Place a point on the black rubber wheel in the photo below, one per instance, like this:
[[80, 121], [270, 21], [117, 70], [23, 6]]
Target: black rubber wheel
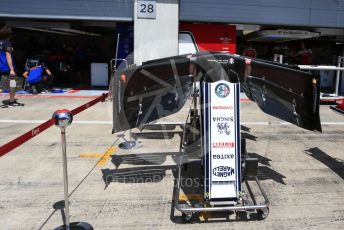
[[76, 226], [188, 218], [263, 213], [243, 147]]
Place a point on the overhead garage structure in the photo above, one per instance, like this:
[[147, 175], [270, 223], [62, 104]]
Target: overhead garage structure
[[157, 37], [311, 13], [107, 10]]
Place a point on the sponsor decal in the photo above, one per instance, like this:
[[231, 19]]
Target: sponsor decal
[[34, 132], [223, 171], [222, 90], [222, 144], [221, 61], [223, 128], [223, 119], [222, 156], [220, 107]]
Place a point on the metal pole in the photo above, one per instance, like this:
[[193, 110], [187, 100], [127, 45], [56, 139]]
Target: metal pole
[[278, 58], [116, 55], [339, 62], [320, 67], [65, 176], [63, 118]]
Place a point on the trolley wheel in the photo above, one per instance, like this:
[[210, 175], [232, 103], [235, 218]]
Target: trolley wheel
[[263, 213], [243, 147], [188, 218]]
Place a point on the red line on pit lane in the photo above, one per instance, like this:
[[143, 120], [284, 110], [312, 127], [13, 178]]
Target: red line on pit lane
[[39, 129], [54, 96]]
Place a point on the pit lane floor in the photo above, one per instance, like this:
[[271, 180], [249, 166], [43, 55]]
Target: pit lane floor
[[301, 171]]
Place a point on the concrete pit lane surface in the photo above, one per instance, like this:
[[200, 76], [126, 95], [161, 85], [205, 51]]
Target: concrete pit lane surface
[[302, 172]]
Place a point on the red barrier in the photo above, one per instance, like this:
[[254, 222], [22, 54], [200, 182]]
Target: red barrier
[[37, 130], [25, 137], [89, 104], [339, 108]]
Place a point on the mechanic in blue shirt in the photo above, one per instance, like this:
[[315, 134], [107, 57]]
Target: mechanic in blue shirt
[[6, 63], [37, 75]]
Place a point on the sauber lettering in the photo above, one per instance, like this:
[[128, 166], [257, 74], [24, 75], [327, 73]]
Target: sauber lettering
[[222, 90], [223, 171], [223, 156], [222, 144], [220, 107]]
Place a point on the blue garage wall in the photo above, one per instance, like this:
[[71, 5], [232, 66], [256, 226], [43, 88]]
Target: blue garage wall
[[314, 13], [119, 10], [327, 12]]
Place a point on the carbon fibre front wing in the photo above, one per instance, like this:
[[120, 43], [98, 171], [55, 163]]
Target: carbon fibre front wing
[[161, 87]]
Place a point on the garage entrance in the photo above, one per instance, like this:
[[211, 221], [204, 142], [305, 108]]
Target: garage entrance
[[77, 53]]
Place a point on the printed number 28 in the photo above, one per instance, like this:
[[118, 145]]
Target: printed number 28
[[147, 8]]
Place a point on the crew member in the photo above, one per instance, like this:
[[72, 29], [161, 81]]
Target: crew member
[[304, 55], [6, 64], [37, 75], [250, 52]]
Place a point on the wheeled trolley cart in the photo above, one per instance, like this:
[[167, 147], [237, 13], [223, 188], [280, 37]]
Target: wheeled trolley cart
[[214, 162], [213, 139]]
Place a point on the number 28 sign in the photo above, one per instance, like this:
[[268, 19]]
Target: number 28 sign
[[146, 9]]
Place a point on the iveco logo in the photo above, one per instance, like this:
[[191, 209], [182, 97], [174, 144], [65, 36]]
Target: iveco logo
[[223, 171], [222, 90]]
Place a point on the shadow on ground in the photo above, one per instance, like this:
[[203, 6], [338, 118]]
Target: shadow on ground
[[336, 165], [156, 135]]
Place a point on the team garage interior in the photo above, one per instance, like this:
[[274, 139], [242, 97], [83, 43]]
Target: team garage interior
[[80, 53], [72, 50]]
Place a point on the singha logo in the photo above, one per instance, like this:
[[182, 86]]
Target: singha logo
[[223, 128]]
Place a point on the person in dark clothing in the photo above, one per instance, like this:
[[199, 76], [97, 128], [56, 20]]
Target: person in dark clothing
[[304, 55], [6, 63]]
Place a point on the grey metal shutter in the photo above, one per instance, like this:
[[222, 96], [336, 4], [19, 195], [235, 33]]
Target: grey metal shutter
[[326, 13], [114, 10]]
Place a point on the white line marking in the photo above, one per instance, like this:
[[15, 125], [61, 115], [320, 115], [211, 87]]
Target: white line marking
[[42, 121], [256, 123], [262, 123], [287, 123]]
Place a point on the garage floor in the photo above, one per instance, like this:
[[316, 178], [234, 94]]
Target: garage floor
[[301, 171]]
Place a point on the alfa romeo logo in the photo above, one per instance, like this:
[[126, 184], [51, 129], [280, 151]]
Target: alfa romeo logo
[[222, 90]]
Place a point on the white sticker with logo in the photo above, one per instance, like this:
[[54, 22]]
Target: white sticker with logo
[[223, 135]]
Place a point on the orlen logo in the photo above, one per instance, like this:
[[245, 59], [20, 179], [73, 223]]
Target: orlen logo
[[223, 171], [221, 107], [222, 90]]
